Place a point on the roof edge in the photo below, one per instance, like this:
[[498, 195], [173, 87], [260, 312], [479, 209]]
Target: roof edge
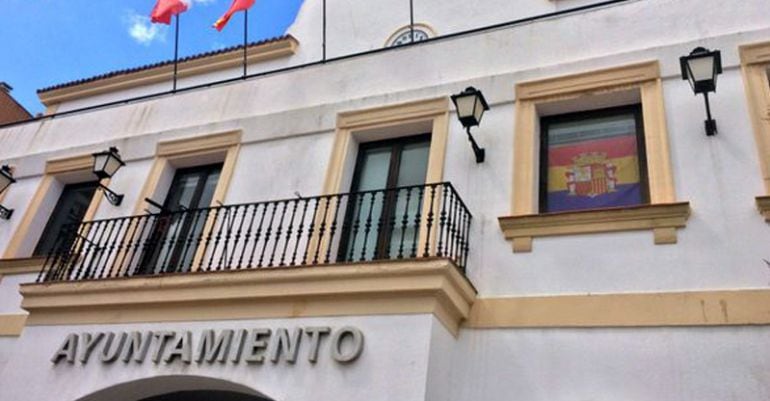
[[279, 47]]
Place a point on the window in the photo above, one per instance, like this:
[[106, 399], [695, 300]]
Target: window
[[170, 250], [73, 203], [382, 165], [592, 160], [566, 182]]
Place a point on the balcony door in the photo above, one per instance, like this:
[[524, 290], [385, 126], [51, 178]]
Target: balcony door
[[178, 228], [69, 211], [380, 218]]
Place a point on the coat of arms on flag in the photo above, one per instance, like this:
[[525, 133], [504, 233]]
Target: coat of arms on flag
[[592, 163]]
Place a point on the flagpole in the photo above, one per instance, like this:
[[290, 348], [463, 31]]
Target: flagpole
[[176, 52], [245, 41]]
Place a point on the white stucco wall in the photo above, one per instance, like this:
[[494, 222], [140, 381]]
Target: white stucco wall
[[392, 366], [288, 122], [288, 126]]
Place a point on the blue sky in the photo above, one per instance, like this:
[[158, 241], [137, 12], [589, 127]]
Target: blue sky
[[46, 42]]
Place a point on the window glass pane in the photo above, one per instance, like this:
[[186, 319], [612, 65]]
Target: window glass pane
[[412, 171], [593, 163], [70, 209]]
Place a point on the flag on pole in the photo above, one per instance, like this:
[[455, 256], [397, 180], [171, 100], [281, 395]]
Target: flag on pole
[[165, 9], [238, 5]]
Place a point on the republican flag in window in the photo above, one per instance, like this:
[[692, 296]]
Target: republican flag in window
[[165, 9], [593, 163], [238, 5]]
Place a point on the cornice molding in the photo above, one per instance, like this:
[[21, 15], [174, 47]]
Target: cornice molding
[[663, 219], [755, 53], [191, 145], [69, 164], [429, 286], [588, 81], [395, 113]]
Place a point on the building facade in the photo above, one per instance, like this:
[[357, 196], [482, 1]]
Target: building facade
[[10, 110], [322, 229]]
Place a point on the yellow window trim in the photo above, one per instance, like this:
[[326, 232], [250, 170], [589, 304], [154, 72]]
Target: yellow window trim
[[350, 123], [662, 219], [373, 288], [755, 62], [643, 76], [53, 168], [21, 266], [169, 152]]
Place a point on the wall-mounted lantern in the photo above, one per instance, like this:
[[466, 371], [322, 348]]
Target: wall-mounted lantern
[[701, 68], [6, 179], [106, 164], [471, 105]]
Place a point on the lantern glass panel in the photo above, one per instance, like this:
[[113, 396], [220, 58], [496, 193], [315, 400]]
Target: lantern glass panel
[[112, 165], [100, 161], [702, 68], [479, 110], [5, 181], [466, 106]]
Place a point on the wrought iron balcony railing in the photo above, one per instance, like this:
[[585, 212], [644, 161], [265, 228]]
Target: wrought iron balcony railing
[[400, 223]]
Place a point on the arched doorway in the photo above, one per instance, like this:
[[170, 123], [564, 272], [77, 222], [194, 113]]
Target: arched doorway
[[177, 388]]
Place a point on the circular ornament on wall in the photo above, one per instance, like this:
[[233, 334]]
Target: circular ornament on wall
[[403, 35]]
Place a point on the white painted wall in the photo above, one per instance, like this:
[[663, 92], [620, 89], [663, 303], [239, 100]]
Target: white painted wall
[[288, 125], [393, 365]]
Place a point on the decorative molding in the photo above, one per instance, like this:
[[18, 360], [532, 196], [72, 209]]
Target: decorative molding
[[755, 53], [207, 143], [663, 219], [587, 82], [393, 114], [12, 325], [21, 266], [698, 308], [763, 204], [377, 288], [69, 164], [268, 51]]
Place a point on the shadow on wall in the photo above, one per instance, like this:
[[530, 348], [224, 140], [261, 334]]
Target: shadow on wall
[[177, 388]]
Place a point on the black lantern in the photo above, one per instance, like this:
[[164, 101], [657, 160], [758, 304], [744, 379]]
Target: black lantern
[[106, 164], [6, 179], [471, 105], [701, 68]]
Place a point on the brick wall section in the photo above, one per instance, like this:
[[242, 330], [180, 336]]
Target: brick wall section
[[10, 110]]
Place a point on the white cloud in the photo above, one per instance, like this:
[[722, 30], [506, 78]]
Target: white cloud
[[142, 30]]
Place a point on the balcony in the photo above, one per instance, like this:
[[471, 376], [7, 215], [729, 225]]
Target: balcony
[[387, 252], [405, 223]]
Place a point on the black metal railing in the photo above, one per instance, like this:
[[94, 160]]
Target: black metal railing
[[400, 223]]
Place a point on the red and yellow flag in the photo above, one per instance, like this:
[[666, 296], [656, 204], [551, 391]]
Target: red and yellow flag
[[165, 9], [238, 5]]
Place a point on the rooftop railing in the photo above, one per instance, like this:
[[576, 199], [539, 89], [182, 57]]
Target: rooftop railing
[[409, 222]]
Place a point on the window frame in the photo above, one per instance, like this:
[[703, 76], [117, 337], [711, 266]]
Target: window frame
[[755, 68], [546, 121], [663, 215]]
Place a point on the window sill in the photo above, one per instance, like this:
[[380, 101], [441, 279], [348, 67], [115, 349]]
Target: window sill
[[21, 266], [763, 204], [662, 219]]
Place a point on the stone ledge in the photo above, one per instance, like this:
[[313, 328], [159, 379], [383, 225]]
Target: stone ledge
[[662, 219], [763, 204], [376, 288]]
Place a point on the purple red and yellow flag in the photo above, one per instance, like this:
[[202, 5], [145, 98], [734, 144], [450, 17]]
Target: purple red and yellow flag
[[238, 5], [593, 166]]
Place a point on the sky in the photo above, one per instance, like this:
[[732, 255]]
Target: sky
[[47, 42]]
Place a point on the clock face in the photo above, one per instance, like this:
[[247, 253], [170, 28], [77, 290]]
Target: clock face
[[406, 37]]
